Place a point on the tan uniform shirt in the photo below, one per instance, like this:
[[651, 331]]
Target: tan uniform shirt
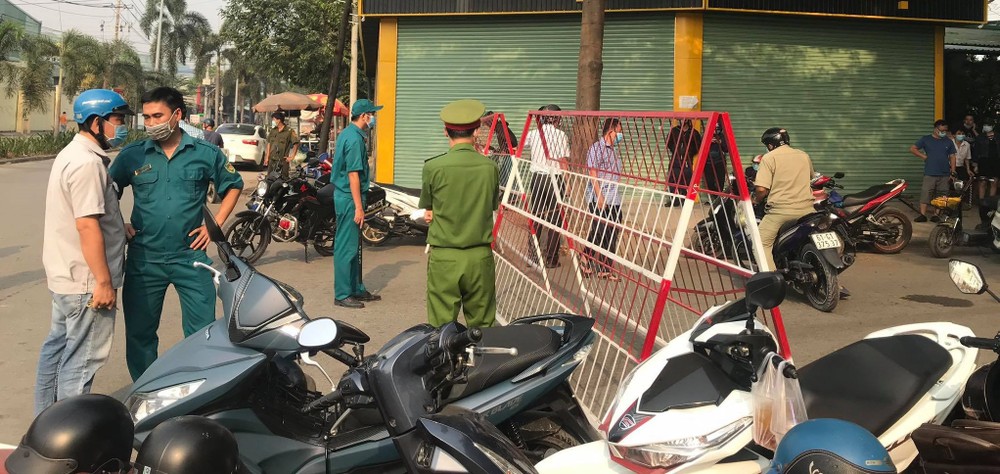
[[786, 172], [79, 186]]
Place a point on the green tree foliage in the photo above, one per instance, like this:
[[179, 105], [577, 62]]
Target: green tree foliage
[[971, 88], [182, 31], [290, 41]]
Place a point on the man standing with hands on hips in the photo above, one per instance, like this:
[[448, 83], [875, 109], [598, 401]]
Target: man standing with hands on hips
[[351, 178], [169, 174], [281, 144], [461, 190]]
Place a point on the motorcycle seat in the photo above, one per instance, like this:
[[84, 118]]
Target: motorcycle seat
[[788, 225], [867, 195], [415, 192], [325, 195], [873, 382], [533, 343]]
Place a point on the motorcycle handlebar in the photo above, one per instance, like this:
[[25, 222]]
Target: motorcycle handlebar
[[463, 340], [981, 343], [324, 402]]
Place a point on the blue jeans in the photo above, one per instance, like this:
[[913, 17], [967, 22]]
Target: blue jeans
[[78, 344]]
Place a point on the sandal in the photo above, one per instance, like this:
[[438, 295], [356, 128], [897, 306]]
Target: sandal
[[587, 273], [608, 276]]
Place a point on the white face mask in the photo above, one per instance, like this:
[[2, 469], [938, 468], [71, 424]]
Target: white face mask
[[160, 131]]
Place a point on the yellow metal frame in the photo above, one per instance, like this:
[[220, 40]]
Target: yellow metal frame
[[385, 95], [556, 12], [844, 15], [938, 72], [689, 36]]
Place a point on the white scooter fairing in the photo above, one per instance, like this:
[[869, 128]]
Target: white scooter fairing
[[685, 410]]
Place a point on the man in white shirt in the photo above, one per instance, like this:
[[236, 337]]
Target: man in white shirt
[[549, 154], [83, 250]]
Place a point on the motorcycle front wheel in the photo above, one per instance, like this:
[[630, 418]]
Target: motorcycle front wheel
[[323, 239], [895, 219], [373, 236], [941, 240], [824, 293], [249, 236]]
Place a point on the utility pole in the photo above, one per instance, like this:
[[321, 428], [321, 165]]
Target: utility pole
[[355, 33], [334, 89], [218, 86], [159, 39], [118, 18], [236, 101]]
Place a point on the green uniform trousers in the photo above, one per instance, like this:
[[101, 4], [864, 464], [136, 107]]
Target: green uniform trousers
[[142, 302], [461, 279], [346, 250]]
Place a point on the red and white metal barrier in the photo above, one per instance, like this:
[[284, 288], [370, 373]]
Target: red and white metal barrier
[[626, 229]]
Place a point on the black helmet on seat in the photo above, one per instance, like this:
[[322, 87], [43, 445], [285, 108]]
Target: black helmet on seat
[[189, 445], [86, 433], [775, 137]]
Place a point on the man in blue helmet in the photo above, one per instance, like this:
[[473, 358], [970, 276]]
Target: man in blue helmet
[[83, 250], [169, 174]]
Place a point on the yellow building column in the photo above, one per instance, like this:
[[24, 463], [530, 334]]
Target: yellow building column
[[938, 72], [689, 29], [385, 95]]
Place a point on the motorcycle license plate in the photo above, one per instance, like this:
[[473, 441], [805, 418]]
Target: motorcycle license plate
[[826, 240]]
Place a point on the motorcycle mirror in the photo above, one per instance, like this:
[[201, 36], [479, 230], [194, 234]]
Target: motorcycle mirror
[[215, 233], [765, 290], [838, 175], [967, 277], [318, 333]]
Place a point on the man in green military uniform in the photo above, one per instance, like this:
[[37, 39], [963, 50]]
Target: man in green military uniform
[[281, 144], [350, 178], [169, 175], [461, 190]]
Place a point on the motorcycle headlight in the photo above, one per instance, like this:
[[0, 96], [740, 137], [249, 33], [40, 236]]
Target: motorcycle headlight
[[261, 188], [142, 405], [672, 453]]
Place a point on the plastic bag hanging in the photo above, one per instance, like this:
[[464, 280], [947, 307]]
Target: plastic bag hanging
[[777, 401]]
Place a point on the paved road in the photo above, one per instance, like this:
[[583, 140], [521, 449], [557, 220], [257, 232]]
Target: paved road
[[888, 290]]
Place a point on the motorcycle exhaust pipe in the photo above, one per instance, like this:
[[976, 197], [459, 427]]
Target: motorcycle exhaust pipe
[[378, 223]]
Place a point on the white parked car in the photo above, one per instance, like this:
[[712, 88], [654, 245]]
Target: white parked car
[[243, 143]]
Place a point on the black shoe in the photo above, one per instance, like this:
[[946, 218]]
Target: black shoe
[[367, 296], [920, 218], [349, 302]]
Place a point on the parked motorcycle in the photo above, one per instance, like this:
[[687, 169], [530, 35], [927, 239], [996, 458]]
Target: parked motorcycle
[[688, 407], [869, 220], [812, 251], [244, 372], [970, 444], [951, 232], [299, 209], [401, 216]]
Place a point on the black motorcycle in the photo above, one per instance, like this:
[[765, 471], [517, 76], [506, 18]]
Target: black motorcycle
[[299, 209], [395, 216], [811, 251]]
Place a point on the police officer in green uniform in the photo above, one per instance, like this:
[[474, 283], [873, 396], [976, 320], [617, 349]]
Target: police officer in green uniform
[[169, 175], [461, 190], [351, 179], [281, 145]]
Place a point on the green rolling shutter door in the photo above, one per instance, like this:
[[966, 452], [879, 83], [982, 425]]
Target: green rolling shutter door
[[854, 94], [515, 65]]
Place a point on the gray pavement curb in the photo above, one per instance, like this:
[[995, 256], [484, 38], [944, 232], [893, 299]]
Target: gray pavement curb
[[25, 159]]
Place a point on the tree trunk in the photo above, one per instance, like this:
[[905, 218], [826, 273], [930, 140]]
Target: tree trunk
[[334, 89], [588, 78]]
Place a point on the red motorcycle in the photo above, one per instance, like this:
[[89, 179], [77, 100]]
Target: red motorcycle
[[869, 220]]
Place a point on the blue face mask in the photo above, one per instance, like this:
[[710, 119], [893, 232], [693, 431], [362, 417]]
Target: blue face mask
[[121, 133], [942, 134], [371, 123], [619, 137], [756, 166], [960, 138]]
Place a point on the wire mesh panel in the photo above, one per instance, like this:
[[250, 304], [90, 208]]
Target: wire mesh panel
[[641, 221]]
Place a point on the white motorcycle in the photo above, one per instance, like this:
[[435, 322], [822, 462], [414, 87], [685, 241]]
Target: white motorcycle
[[689, 409], [402, 216]]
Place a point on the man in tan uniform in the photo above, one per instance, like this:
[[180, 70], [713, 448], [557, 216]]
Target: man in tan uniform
[[783, 179]]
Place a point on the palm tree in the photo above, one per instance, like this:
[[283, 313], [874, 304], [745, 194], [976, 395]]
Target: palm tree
[[181, 31], [35, 75], [11, 39], [78, 54]]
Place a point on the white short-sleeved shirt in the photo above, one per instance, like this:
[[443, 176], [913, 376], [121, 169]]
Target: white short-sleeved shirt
[[79, 186], [557, 144]]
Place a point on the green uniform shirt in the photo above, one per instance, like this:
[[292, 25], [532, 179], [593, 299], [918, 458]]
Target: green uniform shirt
[[349, 155], [281, 142], [462, 187], [169, 194]]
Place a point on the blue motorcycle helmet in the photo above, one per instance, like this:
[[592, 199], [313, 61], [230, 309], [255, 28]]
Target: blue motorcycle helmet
[[100, 104], [831, 447]]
